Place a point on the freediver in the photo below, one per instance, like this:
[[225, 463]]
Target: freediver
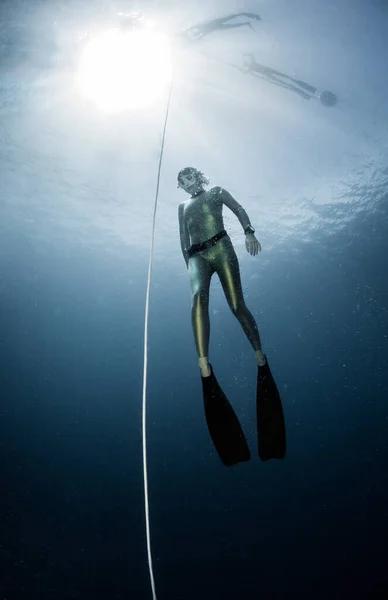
[[197, 32], [208, 249], [305, 90]]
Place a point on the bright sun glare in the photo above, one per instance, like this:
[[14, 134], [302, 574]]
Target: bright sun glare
[[122, 70]]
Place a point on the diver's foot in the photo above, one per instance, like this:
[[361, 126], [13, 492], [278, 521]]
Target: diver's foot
[[261, 359], [205, 367]]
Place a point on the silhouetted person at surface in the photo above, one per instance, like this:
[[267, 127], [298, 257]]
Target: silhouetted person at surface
[[305, 90], [196, 32]]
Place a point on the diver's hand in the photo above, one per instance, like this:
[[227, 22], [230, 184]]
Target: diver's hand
[[252, 244]]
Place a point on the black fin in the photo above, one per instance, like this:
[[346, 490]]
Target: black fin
[[224, 426], [271, 429]]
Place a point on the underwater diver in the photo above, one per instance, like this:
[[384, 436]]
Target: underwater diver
[[207, 249], [305, 90], [196, 32]]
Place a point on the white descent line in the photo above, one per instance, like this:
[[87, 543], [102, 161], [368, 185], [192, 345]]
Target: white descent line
[[145, 361]]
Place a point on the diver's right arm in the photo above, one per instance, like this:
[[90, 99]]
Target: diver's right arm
[[184, 234]]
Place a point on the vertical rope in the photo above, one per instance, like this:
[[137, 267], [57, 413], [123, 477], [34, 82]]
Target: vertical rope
[[145, 360]]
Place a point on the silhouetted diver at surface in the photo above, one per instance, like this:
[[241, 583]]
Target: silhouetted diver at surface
[[197, 32], [298, 86], [305, 90]]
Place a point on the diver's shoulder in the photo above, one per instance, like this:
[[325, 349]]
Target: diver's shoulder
[[217, 190]]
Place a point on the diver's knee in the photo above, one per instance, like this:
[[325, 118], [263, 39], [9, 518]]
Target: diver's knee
[[199, 299], [238, 309]]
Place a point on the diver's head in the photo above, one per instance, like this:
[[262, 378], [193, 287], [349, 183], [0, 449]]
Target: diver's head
[[328, 98], [192, 181]]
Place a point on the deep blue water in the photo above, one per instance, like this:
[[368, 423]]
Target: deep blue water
[[72, 514], [71, 364]]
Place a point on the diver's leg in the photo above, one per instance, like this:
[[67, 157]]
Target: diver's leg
[[249, 15], [281, 79], [228, 270], [199, 31], [224, 427], [200, 272], [271, 432]]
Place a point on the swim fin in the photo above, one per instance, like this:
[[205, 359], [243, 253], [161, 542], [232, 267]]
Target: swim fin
[[271, 430], [224, 426]]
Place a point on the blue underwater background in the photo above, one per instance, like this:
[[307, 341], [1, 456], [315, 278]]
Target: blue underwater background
[[76, 202]]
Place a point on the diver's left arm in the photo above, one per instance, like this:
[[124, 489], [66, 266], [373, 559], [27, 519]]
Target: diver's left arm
[[183, 234], [252, 244]]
